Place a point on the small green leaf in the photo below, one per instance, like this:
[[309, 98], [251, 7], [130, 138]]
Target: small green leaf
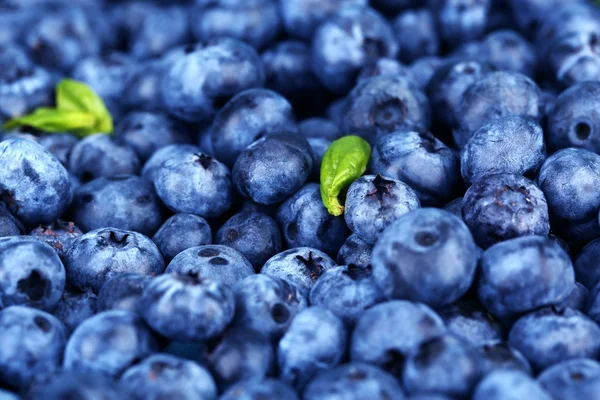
[[77, 96], [343, 162], [53, 120]]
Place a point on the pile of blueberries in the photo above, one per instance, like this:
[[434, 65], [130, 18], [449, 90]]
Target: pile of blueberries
[[188, 254]]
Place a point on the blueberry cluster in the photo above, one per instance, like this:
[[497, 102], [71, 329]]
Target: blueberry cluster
[[189, 254]]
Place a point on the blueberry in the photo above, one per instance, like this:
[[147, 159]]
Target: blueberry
[[424, 68], [459, 21], [9, 225], [470, 322], [272, 168], [314, 342], [335, 111], [245, 118], [319, 128], [505, 206], [509, 145], [203, 77], [572, 379], [101, 254], [578, 299], [375, 202], [32, 272], [255, 235], [346, 41], [301, 266], [187, 307], [305, 222], [220, 263], [572, 122], [239, 355], [147, 132], [256, 22], [594, 304], [455, 207], [34, 186], [531, 13], [59, 145], [353, 381], [122, 201], [509, 385], [443, 365], [355, 251], [78, 385], [173, 151], [180, 232], [522, 274], [74, 308], [386, 333], [122, 292], [166, 375], [427, 255], [6, 395], [33, 343], [266, 304], [101, 156], [255, 390], [108, 343], [319, 146], [301, 18], [498, 355], [551, 335], [421, 161], [506, 50], [496, 95], [143, 87], [194, 183], [385, 67], [573, 58], [381, 105], [416, 34], [585, 264]]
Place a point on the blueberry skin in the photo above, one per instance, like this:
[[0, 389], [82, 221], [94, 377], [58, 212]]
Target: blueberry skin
[[578, 299], [108, 343], [59, 145], [506, 50], [125, 202], [459, 22], [319, 146], [346, 42], [220, 263], [273, 167], [33, 343], [245, 118], [416, 34], [314, 342], [305, 222], [239, 355], [495, 95], [255, 235], [194, 183], [586, 270], [85, 386], [573, 122], [180, 232], [173, 151], [187, 307], [567, 178], [34, 185], [505, 206], [166, 375], [522, 274], [101, 155], [385, 67], [255, 390], [256, 22], [593, 310], [353, 381], [470, 322], [335, 111], [204, 76], [39, 280], [421, 161], [74, 308], [530, 14], [301, 18], [573, 58], [443, 365], [454, 207], [381, 105], [500, 356], [509, 145], [101, 254], [319, 128], [9, 225], [427, 255], [122, 292], [147, 132], [424, 68], [386, 333], [551, 335], [373, 202], [6, 395], [509, 385], [266, 304], [301, 266], [355, 251], [572, 379]]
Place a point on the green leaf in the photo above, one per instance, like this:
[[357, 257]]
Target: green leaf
[[52, 120], [73, 95], [343, 162]]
